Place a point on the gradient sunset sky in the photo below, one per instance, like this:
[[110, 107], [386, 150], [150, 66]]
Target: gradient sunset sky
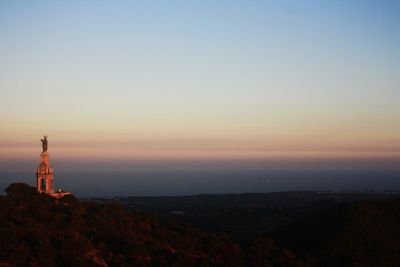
[[246, 83]]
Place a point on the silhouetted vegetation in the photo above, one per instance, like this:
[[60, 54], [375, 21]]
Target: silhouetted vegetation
[[361, 233], [243, 216], [36, 230]]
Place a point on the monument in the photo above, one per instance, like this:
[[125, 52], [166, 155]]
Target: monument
[[44, 174]]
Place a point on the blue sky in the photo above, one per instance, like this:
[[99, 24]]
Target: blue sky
[[200, 79]]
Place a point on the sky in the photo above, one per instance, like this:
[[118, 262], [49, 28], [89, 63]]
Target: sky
[[252, 84]]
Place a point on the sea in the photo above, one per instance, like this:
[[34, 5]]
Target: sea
[[176, 182]]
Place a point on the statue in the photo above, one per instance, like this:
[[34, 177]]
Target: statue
[[44, 143]]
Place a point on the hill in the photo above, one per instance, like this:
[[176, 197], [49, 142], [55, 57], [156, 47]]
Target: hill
[[37, 230], [242, 216], [360, 233]]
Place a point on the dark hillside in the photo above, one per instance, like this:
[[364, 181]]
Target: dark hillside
[[37, 230], [361, 233], [242, 216]]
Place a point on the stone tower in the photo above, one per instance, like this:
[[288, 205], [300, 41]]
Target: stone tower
[[44, 174]]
